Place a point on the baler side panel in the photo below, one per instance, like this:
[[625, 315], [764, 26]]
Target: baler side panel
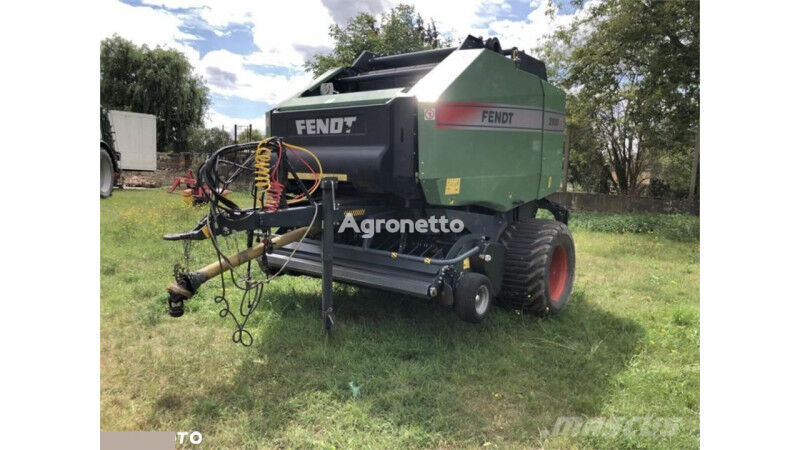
[[468, 165], [552, 139]]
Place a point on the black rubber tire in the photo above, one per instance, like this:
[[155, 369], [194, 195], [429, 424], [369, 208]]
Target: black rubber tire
[[530, 248], [470, 286], [106, 174]]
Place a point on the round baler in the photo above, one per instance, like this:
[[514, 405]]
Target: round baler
[[472, 133]]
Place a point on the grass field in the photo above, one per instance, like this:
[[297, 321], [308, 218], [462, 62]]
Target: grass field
[[627, 347]]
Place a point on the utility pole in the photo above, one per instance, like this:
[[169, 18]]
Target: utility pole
[[566, 161], [695, 164], [235, 133]]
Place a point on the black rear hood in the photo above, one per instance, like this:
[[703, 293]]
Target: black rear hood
[[374, 146]]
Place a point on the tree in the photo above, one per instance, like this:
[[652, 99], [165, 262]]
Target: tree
[[248, 135], [155, 81], [587, 169], [401, 30], [206, 140], [632, 71]]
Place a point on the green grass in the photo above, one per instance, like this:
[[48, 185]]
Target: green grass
[[627, 346]]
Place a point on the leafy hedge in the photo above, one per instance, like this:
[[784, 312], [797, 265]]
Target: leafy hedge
[[679, 227]]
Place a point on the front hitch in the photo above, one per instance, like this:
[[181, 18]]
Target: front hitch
[[178, 293], [175, 304], [186, 284], [200, 232]]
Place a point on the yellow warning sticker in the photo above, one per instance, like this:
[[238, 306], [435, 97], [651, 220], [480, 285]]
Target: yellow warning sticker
[[355, 212], [310, 176], [452, 186]]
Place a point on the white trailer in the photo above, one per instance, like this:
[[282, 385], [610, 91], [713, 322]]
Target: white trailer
[[135, 139]]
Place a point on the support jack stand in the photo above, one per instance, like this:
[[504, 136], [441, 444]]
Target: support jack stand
[[328, 224]]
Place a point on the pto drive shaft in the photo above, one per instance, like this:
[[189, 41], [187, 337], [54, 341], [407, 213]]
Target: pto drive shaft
[[186, 285]]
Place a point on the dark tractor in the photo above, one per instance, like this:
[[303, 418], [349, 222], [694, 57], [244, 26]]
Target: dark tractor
[[109, 157]]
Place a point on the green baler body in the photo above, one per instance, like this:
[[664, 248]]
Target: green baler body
[[498, 167], [487, 133]]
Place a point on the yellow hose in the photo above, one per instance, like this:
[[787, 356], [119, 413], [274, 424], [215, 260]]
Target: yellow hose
[[261, 167]]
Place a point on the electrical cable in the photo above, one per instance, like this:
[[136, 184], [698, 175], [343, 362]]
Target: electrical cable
[[266, 189]]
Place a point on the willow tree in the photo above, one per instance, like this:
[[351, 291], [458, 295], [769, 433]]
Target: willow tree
[[156, 81]]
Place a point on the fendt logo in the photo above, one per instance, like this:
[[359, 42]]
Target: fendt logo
[[328, 125], [490, 116]]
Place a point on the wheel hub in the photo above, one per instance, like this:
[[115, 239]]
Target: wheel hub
[[482, 299], [559, 270]]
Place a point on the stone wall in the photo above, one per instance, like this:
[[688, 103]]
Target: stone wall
[[168, 166]]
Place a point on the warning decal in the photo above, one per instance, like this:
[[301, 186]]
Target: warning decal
[[452, 186]]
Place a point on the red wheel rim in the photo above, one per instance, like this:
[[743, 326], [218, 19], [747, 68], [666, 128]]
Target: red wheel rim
[[557, 280]]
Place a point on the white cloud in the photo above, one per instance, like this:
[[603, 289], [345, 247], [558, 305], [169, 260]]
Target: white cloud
[[146, 26], [343, 10], [278, 27], [280, 33], [456, 18], [215, 119], [248, 84], [286, 32], [528, 34], [480, 18]]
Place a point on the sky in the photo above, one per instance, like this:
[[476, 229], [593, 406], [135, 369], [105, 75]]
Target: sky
[[251, 53]]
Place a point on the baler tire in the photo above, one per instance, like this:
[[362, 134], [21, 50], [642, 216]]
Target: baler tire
[[531, 281], [473, 297]]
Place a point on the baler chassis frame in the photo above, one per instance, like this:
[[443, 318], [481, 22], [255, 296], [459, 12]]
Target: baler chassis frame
[[424, 277]]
